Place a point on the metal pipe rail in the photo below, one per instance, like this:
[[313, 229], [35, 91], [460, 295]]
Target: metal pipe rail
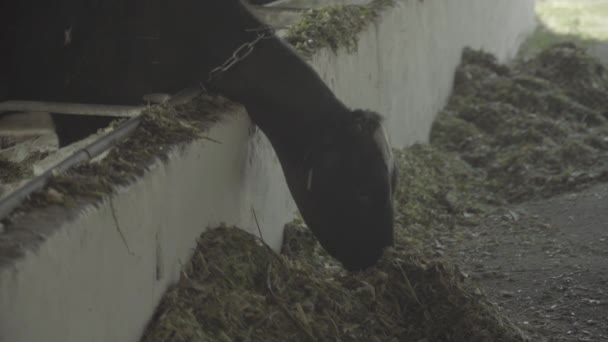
[[70, 108], [104, 143]]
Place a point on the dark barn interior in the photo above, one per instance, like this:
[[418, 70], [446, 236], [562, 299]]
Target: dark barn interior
[[102, 52]]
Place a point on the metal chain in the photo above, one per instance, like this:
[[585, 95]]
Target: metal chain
[[264, 32]]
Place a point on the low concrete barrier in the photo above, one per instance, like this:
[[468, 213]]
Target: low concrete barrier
[[95, 273]]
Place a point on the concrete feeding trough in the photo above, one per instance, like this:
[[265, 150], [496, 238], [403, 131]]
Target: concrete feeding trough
[[56, 225]]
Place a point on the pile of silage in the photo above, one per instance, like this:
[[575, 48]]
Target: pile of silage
[[11, 171], [536, 128], [334, 26], [437, 192], [236, 289]]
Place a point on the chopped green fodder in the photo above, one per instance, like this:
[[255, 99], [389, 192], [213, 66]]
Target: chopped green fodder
[[333, 26], [436, 187], [437, 191], [162, 128], [11, 171], [536, 128], [236, 289]]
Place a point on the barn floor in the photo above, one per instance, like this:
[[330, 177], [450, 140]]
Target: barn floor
[[545, 264]]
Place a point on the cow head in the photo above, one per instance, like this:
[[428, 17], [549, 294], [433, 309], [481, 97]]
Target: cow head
[[350, 182]]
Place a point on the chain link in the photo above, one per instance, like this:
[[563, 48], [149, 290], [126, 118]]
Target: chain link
[[264, 32]]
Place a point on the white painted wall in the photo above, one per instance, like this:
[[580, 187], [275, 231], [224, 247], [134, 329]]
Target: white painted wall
[[82, 284], [404, 65]]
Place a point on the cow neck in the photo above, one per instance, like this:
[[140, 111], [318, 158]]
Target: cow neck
[[324, 133]]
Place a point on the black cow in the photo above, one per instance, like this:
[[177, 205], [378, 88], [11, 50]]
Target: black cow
[[337, 162]]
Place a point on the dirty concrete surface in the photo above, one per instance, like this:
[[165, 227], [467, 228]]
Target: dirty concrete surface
[[545, 264]]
